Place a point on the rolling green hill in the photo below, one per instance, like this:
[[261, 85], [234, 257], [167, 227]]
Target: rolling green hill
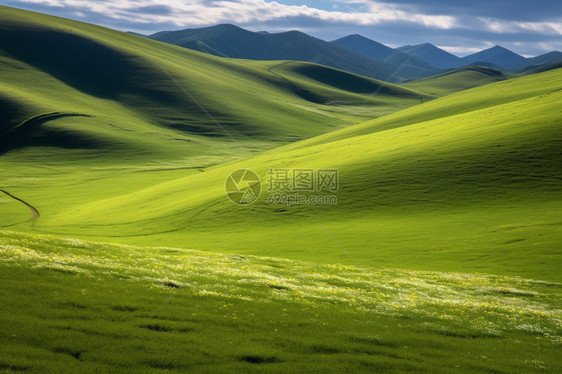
[[442, 251], [85, 307], [539, 62], [540, 69], [458, 80], [187, 102], [431, 187], [446, 163]]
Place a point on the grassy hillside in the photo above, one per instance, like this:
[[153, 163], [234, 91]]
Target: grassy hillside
[[538, 62], [540, 69], [458, 80], [141, 99], [430, 187], [441, 254], [87, 307], [326, 85]]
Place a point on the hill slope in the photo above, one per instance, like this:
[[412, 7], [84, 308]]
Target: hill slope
[[430, 186], [540, 61], [115, 308], [458, 80], [427, 199], [450, 163], [543, 68], [188, 102]]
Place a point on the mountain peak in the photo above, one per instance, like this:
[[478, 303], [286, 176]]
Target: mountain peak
[[365, 46], [432, 55], [227, 26], [496, 55], [231, 41], [356, 37]]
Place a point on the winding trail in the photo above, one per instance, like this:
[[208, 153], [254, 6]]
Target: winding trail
[[40, 119], [31, 122], [33, 210]]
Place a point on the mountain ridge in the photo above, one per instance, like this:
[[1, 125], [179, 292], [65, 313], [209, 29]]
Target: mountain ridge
[[354, 53], [432, 55], [497, 55], [409, 65], [227, 40]]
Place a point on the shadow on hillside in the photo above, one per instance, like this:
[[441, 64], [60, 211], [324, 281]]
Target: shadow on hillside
[[101, 71]]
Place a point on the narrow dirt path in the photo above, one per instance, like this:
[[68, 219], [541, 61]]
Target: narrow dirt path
[[33, 210], [40, 119]]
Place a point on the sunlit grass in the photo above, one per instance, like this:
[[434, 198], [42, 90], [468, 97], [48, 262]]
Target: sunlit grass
[[113, 293], [442, 254]]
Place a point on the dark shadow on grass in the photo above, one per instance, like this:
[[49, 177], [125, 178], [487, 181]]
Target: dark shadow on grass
[[69, 351], [82, 63], [105, 72], [171, 285], [124, 308], [156, 327], [466, 335], [35, 132], [9, 367], [259, 359]]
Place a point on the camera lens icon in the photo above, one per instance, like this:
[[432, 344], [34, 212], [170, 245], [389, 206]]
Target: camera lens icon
[[243, 187]]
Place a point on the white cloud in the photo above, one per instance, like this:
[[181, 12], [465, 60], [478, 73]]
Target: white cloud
[[208, 12], [498, 26], [400, 22], [205, 12]]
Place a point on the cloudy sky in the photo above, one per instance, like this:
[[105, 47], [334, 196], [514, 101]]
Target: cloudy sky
[[461, 27]]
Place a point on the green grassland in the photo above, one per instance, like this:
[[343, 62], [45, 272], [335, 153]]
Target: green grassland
[[158, 100], [437, 186], [85, 306], [442, 253], [458, 80]]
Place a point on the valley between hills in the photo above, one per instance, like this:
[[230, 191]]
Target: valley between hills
[[121, 252]]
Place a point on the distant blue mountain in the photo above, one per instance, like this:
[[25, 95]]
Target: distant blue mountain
[[235, 42], [353, 53], [432, 55], [405, 65], [498, 56], [547, 59], [365, 46]]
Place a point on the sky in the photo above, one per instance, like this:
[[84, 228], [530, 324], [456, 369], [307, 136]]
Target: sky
[[528, 27]]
